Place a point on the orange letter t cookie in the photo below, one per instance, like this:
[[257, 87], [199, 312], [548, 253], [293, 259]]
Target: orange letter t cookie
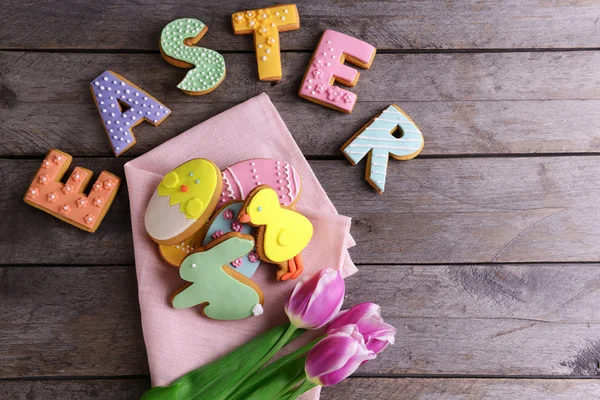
[[266, 24]]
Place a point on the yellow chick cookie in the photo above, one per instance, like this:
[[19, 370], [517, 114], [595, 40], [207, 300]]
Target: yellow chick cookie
[[282, 232], [183, 201]]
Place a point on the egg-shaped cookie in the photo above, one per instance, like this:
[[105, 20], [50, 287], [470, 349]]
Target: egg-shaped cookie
[[183, 201]]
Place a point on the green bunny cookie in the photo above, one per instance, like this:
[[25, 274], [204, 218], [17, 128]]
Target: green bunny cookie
[[224, 293]]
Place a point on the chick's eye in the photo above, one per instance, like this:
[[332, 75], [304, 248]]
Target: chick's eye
[[197, 181], [191, 174], [259, 208]]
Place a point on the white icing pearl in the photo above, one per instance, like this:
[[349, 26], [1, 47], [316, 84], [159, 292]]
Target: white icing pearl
[[260, 46], [264, 58], [313, 92], [105, 78], [285, 11], [331, 49], [282, 18], [96, 83], [329, 42], [328, 64], [324, 53], [268, 51]]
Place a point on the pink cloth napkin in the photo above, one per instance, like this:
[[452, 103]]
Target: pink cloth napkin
[[178, 341]]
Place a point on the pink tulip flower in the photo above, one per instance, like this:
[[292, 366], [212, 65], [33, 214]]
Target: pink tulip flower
[[316, 300], [337, 356], [367, 318]]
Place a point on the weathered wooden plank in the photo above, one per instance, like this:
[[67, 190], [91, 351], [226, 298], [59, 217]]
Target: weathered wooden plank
[[464, 103], [409, 24], [350, 389], [113, 389], [479, 320], [433, 211], [463, 389]]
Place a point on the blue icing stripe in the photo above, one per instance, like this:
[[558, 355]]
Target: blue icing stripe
[[377, 139], [219, 223]]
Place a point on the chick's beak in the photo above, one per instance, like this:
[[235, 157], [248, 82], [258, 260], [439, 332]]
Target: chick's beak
[[244, 218], [184, 188]]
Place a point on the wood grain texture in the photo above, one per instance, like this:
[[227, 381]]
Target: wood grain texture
[[464, 103], [461, 210], [478, 320], [351, 389], [462, 389], [409, 24]]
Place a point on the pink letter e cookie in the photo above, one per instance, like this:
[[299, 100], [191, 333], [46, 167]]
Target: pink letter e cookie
[[327, 66], [66, 201]]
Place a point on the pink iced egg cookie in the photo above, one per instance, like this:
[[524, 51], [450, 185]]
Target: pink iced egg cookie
[[239, 179]]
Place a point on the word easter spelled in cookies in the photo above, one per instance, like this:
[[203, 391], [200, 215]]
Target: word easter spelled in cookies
[[66, 201]]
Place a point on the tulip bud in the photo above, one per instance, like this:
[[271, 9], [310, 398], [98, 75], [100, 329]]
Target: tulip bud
[[367, 318], [316, 300], [337, 356]]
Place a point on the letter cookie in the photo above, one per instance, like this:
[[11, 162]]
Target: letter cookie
[[224, 294], [176, 46], [282, 232], [183, 201], [376, 140], [266, 24], [239, 179], [66, 200], [327, 66], [110, 92]]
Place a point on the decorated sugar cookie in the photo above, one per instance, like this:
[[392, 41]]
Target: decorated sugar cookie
[[223, 293], [112, 93], [66, 201], [282, 232], [266, 24], [183, 201], [376, 140], [177, 48], [239, 179], [327, 65], [223, 221]]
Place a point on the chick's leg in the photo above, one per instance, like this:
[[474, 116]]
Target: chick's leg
[[299, 266], [291, 270]]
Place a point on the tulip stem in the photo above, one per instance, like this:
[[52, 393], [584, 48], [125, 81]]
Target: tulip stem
[[303, 388], [280, 343]]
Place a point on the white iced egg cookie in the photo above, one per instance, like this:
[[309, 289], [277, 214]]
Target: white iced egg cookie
[[183, 201]]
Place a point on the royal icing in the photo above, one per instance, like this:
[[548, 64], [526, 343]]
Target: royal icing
[[176, 43], [66, 200], [239, 179], [286, 232], [226, 221], [377, 141], [185, 195], [111, 93], [266, 24], [327, 65], [225, 297]]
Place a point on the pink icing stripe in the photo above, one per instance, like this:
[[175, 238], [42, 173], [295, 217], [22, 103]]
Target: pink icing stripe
[[289, 182], [325, 65]]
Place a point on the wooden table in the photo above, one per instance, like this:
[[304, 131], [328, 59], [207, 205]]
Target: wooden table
[[482, 252]]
